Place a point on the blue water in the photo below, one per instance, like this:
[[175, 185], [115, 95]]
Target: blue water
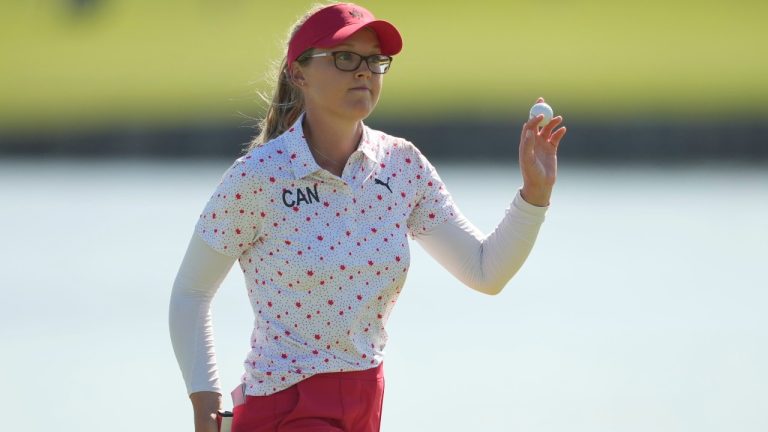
[[642, 306]]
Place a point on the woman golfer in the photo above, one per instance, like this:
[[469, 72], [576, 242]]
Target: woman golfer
[[318, 213]]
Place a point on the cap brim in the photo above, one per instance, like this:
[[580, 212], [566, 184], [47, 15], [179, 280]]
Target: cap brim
[[390, 40]]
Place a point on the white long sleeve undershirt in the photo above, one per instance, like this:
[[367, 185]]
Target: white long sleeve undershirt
[[201, 273], [484, 263]]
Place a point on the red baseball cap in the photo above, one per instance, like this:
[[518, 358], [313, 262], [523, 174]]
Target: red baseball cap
[[331, 25]]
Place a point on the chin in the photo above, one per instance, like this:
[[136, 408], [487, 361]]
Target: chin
[[360, 112]]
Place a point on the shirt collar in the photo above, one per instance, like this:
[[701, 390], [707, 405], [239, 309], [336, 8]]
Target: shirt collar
[[301, 159], [367, 145]]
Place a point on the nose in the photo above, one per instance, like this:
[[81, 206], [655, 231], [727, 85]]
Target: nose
[[363, 69]]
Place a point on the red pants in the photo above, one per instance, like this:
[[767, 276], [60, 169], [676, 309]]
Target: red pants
[[326, 402]]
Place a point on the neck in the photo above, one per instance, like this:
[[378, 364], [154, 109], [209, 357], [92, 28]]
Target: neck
[[333, 137]]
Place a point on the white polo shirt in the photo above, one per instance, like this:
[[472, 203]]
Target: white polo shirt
[[324, 258]]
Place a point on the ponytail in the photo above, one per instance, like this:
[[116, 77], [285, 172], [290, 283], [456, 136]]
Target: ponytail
[[287, 101]]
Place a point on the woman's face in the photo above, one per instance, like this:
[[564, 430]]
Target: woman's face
[[338, 92]]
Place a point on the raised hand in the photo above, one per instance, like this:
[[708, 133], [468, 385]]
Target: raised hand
[[538, 158]]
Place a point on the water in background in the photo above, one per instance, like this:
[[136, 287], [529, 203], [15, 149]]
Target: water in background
[[642, 306]]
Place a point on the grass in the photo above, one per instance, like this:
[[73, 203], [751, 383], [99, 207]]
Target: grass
[[174, 61]]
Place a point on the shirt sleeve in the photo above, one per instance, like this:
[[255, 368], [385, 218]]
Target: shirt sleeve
[[433, 204], [199, 277], [485, 263], [229, 222]]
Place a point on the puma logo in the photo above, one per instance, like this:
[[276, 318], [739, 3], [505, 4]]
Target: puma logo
[[383, 184]]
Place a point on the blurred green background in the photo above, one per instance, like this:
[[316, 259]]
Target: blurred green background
[[82, 64]]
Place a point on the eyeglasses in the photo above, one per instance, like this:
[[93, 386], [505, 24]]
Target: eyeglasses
[[349, 62]]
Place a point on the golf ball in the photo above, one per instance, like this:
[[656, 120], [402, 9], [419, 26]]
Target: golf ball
[[542, 108]]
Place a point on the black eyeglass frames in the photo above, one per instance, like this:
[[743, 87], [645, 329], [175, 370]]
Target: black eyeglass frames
[[349, 61]]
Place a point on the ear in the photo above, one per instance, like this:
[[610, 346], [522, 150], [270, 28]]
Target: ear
[[296, 74]]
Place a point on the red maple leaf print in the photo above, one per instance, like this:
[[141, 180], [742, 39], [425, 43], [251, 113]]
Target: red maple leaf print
[[238, 196]]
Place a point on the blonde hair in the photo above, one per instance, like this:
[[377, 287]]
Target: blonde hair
[[287, 101]]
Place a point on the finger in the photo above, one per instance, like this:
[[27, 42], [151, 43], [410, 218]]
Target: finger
[[547, 130], [557, 136], [526, 140], [533, 122], [539, 100]]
